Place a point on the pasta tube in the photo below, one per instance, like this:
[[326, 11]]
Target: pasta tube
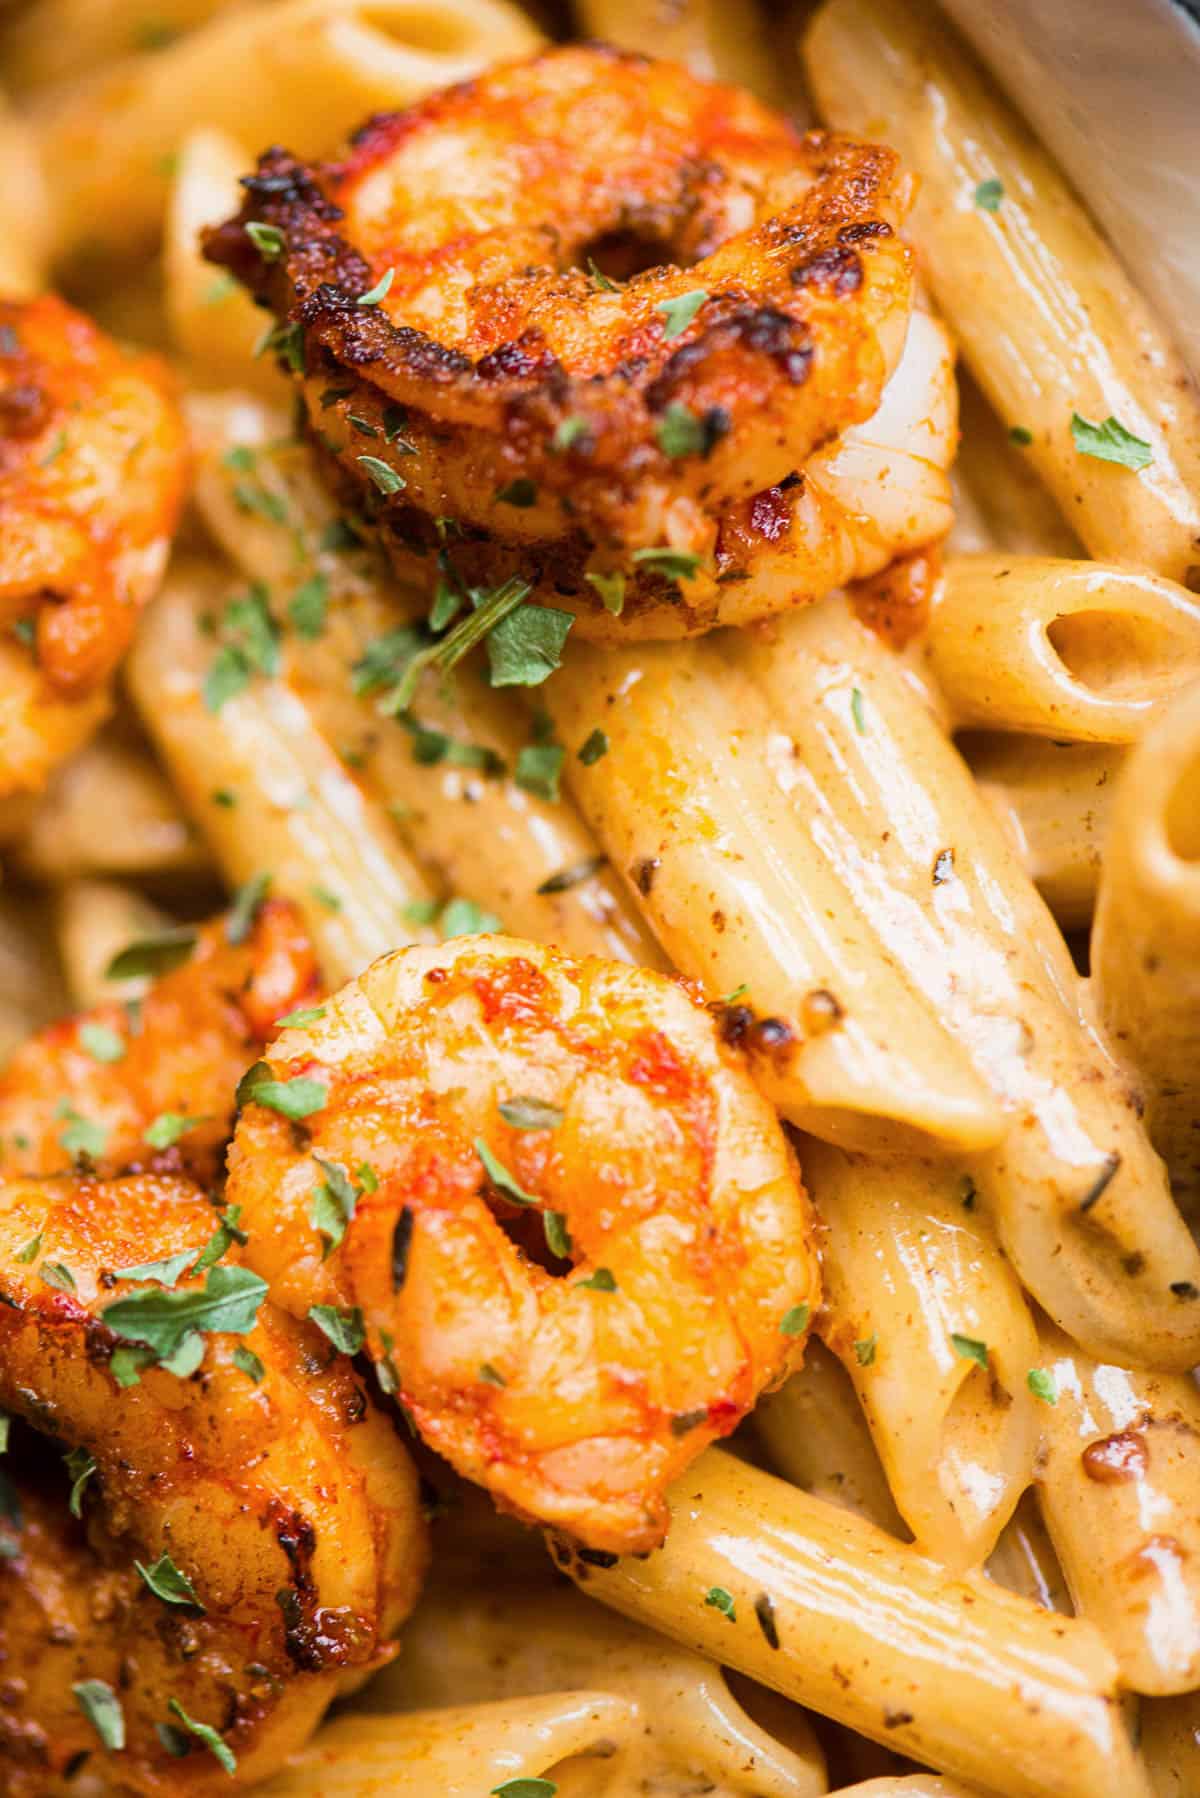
[[1049, 323], [269, 793], [1118, 1480], [721, 40], [743, 899], [1061, 649], [1081, 1201], [113, 779], [1024, 1560], [93, 921], [1146, 943], [918, 1785], [457, 1752], [300, 72], [957, 1673], [1054, 799], [815, 1435], [31, 991], [930, 1323], [214, 323], [50, 40], [470, 816], [24, 245]]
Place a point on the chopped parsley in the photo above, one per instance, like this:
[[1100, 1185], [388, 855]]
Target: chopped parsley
[[521, 493], [80, 1466], [672, 564], [531, 1114], [600, 1281], [611, 588], [164, 1131], [1042, 1385], [102, 1708], [526, 1788], [568, 432], [679, 312], [344, 1328], [57, 1275], [163, 1320], [722, 1601], [794, 1322], [539, 766], [167, 1582], [857, 711], [153, 955], [268, 240], [204, 1733], [159, 1273], [462, 917], [383, 476], [490, 1376], [30, 1250], [101, 1043], [1110, 442], [680, 433], [527, 645], [499, 1176], [244, 909], [247, 1362], [989, 194], [308, 606], [864, 1351], [333, 1203], [970, 1348], [294, 1099], [380, 290], [301, 1018], [1019, 434], [592, 748], [249, 640], [82, 1137], [558, 1237]]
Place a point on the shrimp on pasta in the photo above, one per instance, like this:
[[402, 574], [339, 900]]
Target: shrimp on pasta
[[552, 1203]]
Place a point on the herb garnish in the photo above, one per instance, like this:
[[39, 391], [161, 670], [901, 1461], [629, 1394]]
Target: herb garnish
[[611, 588], [101, 1043], [163, 1320], [268, 240], [333, 1204], [1042, 1385], [102, 1708], [1110, 442], [153, 955], [672, 564], [794, 1321], [380, 290], [602, 1280], [565, 878], [538, 768], [531, 1114], [204, 1733], [244, 910], [344, 1328], [167, 1582], [970, 1348], [499, 1176], [722, 1601], [294, 1099], [989, 194]]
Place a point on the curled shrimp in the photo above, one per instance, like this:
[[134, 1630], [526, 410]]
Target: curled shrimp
[[564, 1218], [458, 361], [243, 1536], [92, 470], [151, 1085]]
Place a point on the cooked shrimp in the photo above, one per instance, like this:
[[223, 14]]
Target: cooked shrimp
[[250, 1536], [565, 1217], [880, 491], [92, 468], [152, 1085], [457, 360]]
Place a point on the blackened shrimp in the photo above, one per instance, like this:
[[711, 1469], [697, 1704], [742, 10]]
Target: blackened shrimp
[[92, 471], [152, 1085], [458, 359], [208, 1529], [556, 1206]]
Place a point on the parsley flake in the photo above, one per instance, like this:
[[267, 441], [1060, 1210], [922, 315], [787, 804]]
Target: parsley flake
[[166, 1129], [679, 432], [294, 1099], [1110, 442], [521, 493], [794, 1321], [1042, 1385], [538, 768], [82, 1137], [864, 1351], [558, 1237], [383, 477], [989, 194], [159, 1273], [672, 564], [153, 955], [101, 1043], [333, 1203], [57, 1275], [592, 748], [490, 1376], [568, 432], [80, 1466], [167, 1582], [722, 1601], [857, 712], [308, 606], [345, 1329], [268, 240], [527, 645], [462, 917], [531, 1114], [102, 1708], [602, 1280], [301, 1018], [969, 1348], [611, 588], [499, 1176], [247, 1362], [204, 1733], [679, 312], [244, 910], [526, 1788], [1019, 434], [380, 290], [162, 1320]]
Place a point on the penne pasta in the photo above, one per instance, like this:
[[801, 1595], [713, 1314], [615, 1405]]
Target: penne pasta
[[1081, 1201], [214, 324], [930, 1323], [1054, 800], [1067, 650], [918, 1785], [743, 899], [1051, 326], [48, 41], [268, 792], [457, 1752], [1024, 1560], [93, 921], [466, 814], [1117, 1481], [959, 1674], [31, 988], [1146, 942], [299, 72], [815, 1435], [1013, 509], [24, 246], [723, 40], [113, 777]]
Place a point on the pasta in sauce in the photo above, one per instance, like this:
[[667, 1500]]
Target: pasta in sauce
[[917, 829]]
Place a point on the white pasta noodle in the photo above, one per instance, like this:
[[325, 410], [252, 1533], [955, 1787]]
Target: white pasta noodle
[[93, 921]]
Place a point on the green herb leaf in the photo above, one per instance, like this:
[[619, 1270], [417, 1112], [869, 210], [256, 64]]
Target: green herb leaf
[[592, 748], [385, 659], [531, 1114], [101, 1043], [857, 712], [248, 1363], [864, 1351], [672, 564], [1019, 434], [301, 1018], [5, 1425], [568, 432], [244, 910], [153, 955], [1110, 442], [203, 1733], [184, 1361], [527, 1788], [268, 240], [558, 1237], [499, 1176], [294, 1099], [794, 1322], [126, 1365], [82, 1137], [333, 1203], [538, 768], [989, 194], [30, 1250], [600, 1281], [254, 498], [367, 1178], [384, 477], [739, 992], [601, 279], [970, 1348], [680, 432], [167, 1582], [166, 1129], [228, 675], [491, 614], [522, 493], [722, 1601], [57, 1275], [161, 1320], [308, 606], [462, 917], [527, 645], [611, 588], [345, 1329], [380, 290], [1042, 1385], [679, 312], [489, 1375], [221, 1240], [159, 1273], [80, 1465], [102, 1708]]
